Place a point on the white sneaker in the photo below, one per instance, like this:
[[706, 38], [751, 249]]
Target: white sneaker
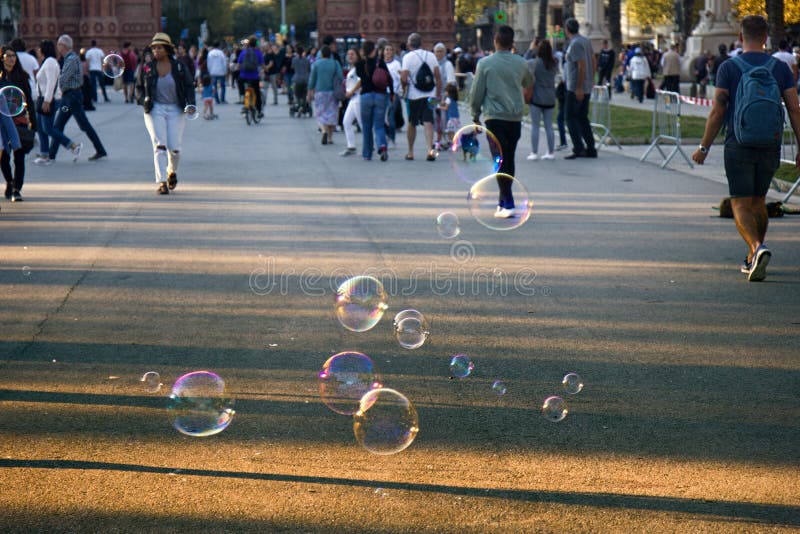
[[42, 161], [76, 151], [532, 157], [549, 155], [503, 213]]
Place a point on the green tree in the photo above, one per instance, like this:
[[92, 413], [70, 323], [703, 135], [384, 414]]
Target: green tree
[[649, 12], [468, 11]]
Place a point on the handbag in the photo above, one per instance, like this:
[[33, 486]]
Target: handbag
[[380, 78], [26, 137]]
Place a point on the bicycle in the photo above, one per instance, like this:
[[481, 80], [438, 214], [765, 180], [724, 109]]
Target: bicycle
[[249, 109]]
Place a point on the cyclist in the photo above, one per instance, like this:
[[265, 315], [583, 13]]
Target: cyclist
[[251, 61]]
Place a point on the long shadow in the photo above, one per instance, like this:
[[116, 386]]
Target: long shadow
[[742, 511]]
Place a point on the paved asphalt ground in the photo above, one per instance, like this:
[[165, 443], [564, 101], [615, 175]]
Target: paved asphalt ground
[[689, 419]]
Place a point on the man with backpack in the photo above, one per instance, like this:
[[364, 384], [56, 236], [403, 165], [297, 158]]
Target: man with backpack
[[250, 62], [421, 78], [749, 89]]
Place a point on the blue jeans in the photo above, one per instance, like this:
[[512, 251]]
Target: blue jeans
[[373, 113], [537, 115], [96, 78], [44, 127], [218, 81], [562, 132], [72, 104], [580, 129], [637, 86]]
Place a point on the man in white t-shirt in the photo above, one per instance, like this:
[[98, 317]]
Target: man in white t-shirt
[[419, 113], [94, 56], [218, 70], [784, 53], [28, 63]]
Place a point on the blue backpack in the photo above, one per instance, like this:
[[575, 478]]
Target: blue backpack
[[758, 114]]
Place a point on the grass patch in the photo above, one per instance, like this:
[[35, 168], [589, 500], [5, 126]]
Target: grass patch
[[634, 124], [787, 172]]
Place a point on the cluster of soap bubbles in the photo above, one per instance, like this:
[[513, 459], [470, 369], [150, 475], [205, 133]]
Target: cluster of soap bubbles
[[554, 408], [496, 200]]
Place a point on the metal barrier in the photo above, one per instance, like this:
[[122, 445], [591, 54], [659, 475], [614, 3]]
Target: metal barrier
[[601, 116], [788, 155], [667, 126]]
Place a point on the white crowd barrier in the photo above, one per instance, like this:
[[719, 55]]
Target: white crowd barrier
[[788, 155], [601, 116], [667, 127]]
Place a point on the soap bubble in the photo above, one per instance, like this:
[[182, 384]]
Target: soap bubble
[[113, 65], [191, 113], [344, 379], [499, 388], [475, 153], [461, 366], [484, 202], [386, 422], [151, 382], [433, 103], [14, 100], [360, 303], [554, 409], [572, 383], [447, 225], [198, 404], [411, 331]]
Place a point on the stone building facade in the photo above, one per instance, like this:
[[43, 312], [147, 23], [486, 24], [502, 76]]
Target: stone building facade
[[110, 22], [393, 19]]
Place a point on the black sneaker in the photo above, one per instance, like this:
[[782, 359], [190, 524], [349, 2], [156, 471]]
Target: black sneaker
[[8, 191], [761, 258], [172, 180], [16, 197], [384, 153], [97, 156], [590, 154], [162, 189]]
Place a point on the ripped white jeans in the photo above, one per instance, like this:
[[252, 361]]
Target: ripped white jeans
[[165, 124]]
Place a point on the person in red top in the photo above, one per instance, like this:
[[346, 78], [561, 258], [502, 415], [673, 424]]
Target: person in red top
[[128, 77]]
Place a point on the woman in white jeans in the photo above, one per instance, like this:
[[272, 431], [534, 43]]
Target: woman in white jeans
[[544, 69], [164, 87], [352, 87]]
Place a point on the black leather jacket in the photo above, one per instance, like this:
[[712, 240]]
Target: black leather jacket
[[148, 78]]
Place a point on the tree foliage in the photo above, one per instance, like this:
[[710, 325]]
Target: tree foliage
[[791, 9], [649, 12], [468, 11]]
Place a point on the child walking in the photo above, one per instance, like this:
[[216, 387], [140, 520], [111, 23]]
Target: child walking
[[208, 98], [452, 116]]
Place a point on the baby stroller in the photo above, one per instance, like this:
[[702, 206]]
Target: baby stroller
[[300, 105]]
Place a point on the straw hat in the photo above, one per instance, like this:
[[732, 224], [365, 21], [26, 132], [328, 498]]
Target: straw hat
[[161, 39]]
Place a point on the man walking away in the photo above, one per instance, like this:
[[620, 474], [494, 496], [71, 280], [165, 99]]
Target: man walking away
[[580, 75], [605, 65], [421, 77], [95, 56], [218, 70], [748, 98], [498, 91], [671, 63]]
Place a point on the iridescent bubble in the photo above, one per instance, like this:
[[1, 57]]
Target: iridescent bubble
[[113, 65], [151, 381], [461, 366], [26, 271], [190, 111], [12, 101], [475, 153], [198, 404], [433, 103], [499, 388], [554, 409], [386, 422], [412, 331], [447, 225], [360, 303], [484, 202], [572, 383], [344, 379]]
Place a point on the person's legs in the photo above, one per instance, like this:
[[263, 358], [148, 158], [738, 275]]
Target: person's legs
[[507, 133], [176, 122], [411, 131], [562, 134], [349, 117], [223, 85], [390, 117], [44, 123], [156, 124], [93, 84], [86, 126], [5, 167], [273, 82], [750, 215], [101, 81], [19, 169], [547, 115], [62, 117], [379, 120], [573, 122], [638, 89], [536, 119], [586, 125], [289, 91], [367, 101]]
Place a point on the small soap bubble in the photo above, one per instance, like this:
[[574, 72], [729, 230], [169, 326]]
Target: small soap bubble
[[113, 65], [447, 225], [199, 406], [484, 202], [572, 383], [151, 381], [554, 409], [499, 388], [433, 103], [475, 153], [344, 379], [386, 422], [191, 113], [360, 302], [461, 366], [26, 271], [12, 101], [412, 332]]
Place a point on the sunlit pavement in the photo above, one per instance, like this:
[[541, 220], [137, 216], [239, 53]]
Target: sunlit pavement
[[688, 420]]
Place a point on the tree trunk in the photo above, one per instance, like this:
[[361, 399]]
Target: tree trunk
[[568, 10], [614, 24], [541, 28], [775, 21]]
